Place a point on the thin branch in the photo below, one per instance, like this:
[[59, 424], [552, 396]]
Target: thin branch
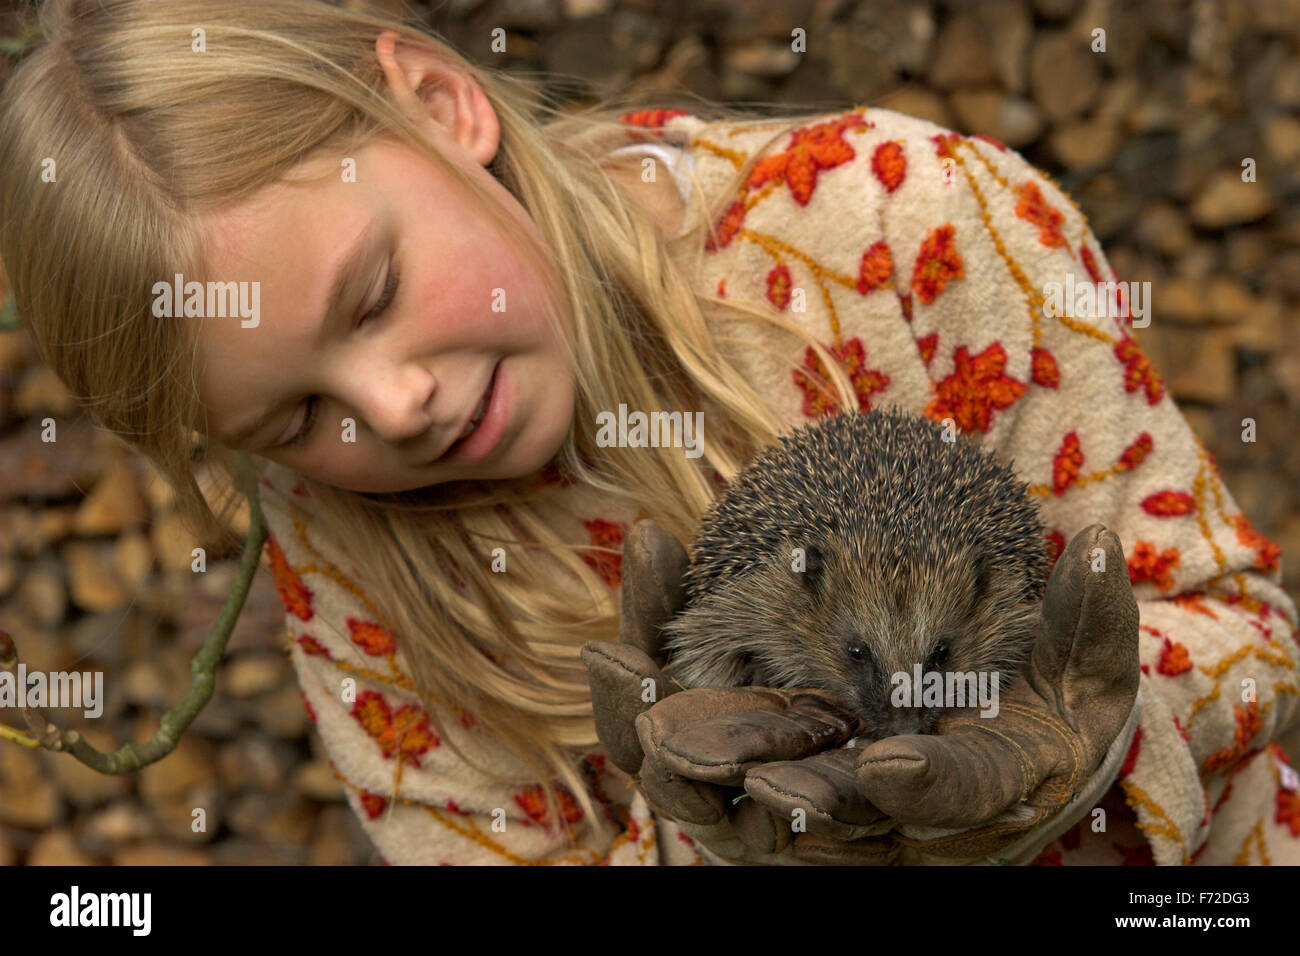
[[203, 668]]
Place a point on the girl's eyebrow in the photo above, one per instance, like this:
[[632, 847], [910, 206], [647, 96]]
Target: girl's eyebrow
[[349, 268]]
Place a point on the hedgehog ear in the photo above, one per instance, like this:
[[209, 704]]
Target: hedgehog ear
[[808, 565], [981, 575], [988, 575]]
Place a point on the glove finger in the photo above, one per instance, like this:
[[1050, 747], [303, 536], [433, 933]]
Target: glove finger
[[717, 734], [624, 683], [761, 831], [967, 774], [827, 851], [683, 799], [1087, 650], [825, 788], [721, 840], [652, 589]]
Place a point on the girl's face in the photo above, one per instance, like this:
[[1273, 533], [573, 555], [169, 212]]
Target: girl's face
[[435, 363]]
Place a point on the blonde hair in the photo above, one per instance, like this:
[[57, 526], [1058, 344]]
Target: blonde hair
[[149, 138]]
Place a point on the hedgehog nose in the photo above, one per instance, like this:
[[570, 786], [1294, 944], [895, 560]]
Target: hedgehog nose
[[908, 720]]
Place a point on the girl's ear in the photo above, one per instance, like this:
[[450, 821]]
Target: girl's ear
[[430, 90]]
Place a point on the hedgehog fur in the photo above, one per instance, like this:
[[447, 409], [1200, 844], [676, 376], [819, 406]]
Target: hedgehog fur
[[915, 549]]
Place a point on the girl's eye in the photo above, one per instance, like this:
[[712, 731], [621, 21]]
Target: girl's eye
[[308, 421], [385, 300]]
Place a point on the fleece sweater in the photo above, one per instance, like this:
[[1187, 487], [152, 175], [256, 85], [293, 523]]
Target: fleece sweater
[[929, 264]]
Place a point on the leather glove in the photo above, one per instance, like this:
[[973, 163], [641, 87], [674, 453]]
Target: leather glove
[[996, 790], [692, 750]]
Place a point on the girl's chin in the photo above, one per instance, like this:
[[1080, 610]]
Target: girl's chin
[[541, 455]]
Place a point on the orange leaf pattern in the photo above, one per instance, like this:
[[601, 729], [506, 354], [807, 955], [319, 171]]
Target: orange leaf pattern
[[1174, 659], [814, 378], [294, 594], [404, 733], [606, 536], [533, 802], [1138, 373], [1136, 453], [778, 286], [1169, 504], [1248, 725], [876, 268], [812, 151], [651, 119], [1267, 553], [1149, 564], [927, 344], [977, 387], [937, 264], [1066, 464], [1034, 208], [371, 637], [374, 804], [1045, 371], [1089, 262], [889, 163]]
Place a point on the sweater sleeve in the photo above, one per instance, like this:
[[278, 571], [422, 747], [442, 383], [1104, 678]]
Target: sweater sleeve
[[409, 769], [1002, 264]]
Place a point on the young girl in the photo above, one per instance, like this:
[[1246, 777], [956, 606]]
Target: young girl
[[444, 284]]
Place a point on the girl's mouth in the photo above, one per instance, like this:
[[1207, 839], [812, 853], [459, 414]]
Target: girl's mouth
[[479, 412], [486, 426]]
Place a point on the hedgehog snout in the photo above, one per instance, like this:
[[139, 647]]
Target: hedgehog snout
[[908, 720], [875, 686], [884, 718]]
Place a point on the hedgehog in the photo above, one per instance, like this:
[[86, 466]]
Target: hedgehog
[[861, 546]]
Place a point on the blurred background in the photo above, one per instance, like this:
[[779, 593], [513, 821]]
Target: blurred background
[[1149, 138]]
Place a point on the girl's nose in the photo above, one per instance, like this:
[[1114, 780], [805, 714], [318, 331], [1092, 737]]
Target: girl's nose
[[395, 400]]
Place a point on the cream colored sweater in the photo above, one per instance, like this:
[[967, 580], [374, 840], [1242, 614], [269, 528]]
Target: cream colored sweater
[[922, 259]]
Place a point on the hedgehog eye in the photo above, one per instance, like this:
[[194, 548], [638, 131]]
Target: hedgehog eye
[[939, 654], [859, 653]]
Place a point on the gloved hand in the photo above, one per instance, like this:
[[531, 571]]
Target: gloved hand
[[996, 790], [692, 750]]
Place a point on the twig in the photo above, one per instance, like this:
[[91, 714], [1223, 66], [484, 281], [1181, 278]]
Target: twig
[[203, 668]]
